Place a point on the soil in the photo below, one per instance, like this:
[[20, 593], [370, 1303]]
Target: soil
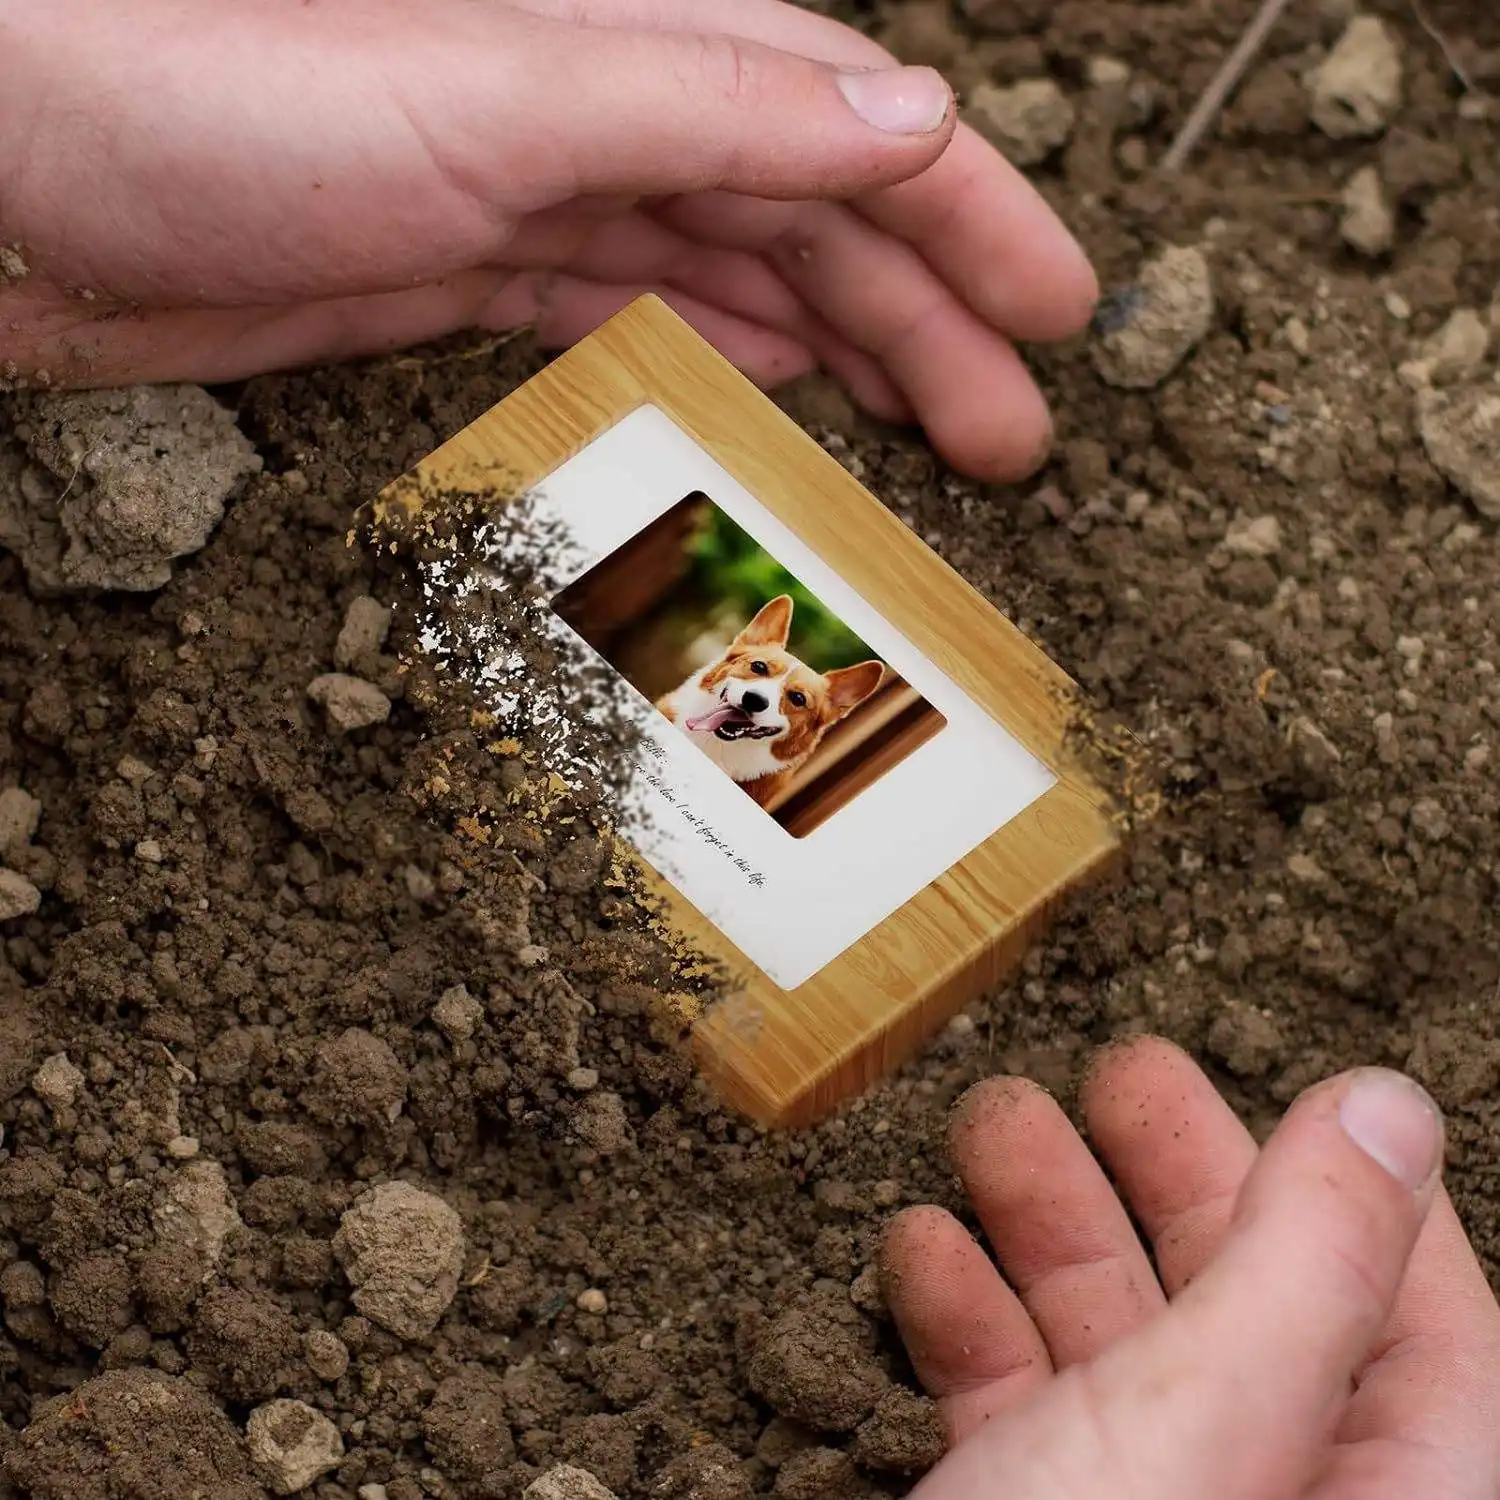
[[281, 979]]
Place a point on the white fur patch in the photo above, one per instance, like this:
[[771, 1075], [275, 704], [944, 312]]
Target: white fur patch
[[743, 760]]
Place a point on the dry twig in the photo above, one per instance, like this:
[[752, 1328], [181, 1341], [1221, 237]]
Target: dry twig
[[1206, 111], [1443, 45]]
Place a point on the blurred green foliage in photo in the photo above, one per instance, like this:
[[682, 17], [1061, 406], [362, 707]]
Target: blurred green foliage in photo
[[730, 569]]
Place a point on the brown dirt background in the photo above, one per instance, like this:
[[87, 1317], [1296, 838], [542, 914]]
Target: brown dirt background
[[1291, 912]]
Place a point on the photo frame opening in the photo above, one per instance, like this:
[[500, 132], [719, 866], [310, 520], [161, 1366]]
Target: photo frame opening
[[748, 663]]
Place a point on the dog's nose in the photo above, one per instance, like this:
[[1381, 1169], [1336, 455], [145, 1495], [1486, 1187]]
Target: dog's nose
[[754, 703]]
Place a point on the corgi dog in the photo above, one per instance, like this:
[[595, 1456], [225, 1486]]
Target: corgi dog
[[758, 712]]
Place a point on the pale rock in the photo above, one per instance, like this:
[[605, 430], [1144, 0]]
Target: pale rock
[[350, 702], [18, 896], [291, 1445], [1107, 72], [1258, 536], [20, 816], [1461, 431], [1453, 354], [1027, 121], [564, 1482], [403, 1250], [366, 626], [1369, 221], [57, 1082], [1147, 331], [1356, 89], [196, 1209]]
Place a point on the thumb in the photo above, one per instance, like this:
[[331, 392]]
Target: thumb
[[661, 112], [1239, 1382]]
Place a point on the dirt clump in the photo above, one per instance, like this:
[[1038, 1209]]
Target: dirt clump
[[135, 1432], [403, 1250], [105, 489], [815, 1363]]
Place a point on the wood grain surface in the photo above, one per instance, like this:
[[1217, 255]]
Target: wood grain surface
[[787, 1056]]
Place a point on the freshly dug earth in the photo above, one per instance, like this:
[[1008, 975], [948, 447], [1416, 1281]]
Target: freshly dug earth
[[265, 981]]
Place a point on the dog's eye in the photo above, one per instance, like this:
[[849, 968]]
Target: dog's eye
[[799, 699], [759, 668]]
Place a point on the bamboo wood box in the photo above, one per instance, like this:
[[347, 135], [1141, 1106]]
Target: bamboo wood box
[[902, 859]]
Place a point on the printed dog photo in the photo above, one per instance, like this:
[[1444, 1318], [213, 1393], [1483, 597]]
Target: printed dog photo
[[747, 664]]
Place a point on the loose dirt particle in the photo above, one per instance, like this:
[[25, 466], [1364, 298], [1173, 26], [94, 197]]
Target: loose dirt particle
[[325, 1354]]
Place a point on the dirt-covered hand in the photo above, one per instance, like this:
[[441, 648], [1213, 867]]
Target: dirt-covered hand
[[1317, 1326], [202, 193]]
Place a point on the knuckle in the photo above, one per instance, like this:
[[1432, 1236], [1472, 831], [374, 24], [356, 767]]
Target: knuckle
[[726, 71]]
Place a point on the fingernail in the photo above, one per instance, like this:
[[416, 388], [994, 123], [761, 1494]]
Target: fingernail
[[1394, 1121], [901, 101]]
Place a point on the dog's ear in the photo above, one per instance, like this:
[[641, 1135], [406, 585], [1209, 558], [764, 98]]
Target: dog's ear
[[771, 626], [848, 687]]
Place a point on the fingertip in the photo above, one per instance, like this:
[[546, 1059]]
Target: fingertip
[[990, 1104], [1129, 1062]]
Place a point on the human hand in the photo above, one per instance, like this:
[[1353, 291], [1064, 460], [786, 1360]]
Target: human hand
[[202, 193], [1320, 1330]]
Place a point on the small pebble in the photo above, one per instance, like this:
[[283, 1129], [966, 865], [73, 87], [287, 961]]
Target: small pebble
[[581, 1080], [149, 852], [364, 632], [593, 1301], [1356, 89], [1368, 224], [182, 1147], [351, 703]]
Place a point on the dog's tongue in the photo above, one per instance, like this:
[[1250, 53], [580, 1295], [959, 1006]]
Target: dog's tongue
[[723, 714]]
